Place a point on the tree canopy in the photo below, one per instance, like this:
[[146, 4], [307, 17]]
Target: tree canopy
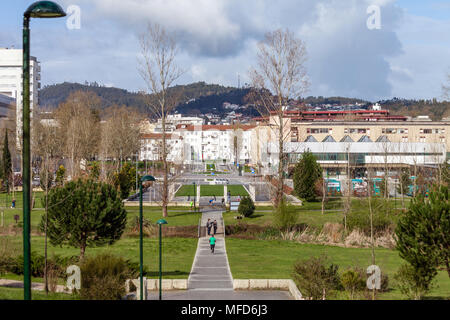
[[85, 213]]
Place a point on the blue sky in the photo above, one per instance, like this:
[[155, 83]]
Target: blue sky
[[408, 57]]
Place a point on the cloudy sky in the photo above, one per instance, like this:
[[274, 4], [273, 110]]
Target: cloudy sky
[[409, 56]]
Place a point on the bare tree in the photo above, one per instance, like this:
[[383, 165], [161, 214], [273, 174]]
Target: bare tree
[[79, 130], [237, 142], [46, 145], [159, 71], [120, 133], [280, 75]]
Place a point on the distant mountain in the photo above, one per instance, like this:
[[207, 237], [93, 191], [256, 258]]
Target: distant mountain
[[195, 98], [413, 108], [201, 98]]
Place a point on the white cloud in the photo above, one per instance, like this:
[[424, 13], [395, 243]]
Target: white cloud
[[218, 37]]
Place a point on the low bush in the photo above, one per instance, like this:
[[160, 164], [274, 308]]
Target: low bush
[[360, 220], [57, 263], [316, 278], [411, 283], [285, 216], [353, 281], [103, 277], [246, 207]]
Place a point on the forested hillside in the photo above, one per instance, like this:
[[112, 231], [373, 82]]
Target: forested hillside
[[201, 98], [198, 97]]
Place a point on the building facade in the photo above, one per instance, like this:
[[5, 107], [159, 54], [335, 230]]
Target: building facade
[[11, 61]]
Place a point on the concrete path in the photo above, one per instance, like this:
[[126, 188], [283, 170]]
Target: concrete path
[[210, 277], [211, 271], [34, 285]]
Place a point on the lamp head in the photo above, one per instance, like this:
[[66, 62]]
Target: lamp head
[[148, 178], [161, 221], [44, 9]]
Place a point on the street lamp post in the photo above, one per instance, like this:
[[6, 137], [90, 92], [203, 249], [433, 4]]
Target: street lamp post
[[141, 238], [160, 222], [195, 195], [39, 9]]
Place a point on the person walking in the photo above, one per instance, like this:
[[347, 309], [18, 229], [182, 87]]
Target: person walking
[[215, 226], [208, 226], [212, 243]]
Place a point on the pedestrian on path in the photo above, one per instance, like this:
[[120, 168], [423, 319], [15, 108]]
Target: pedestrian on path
[[212, 243], [215, 226], [192, 205], [208, 226]]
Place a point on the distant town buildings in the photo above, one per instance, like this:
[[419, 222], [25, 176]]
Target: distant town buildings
[[362, 138], [11, 61]]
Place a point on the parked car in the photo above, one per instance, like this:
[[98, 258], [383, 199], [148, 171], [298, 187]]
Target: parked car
[[221, 181]]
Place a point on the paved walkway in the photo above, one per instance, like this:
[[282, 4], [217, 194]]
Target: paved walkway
[[210, 277], [211, 271]]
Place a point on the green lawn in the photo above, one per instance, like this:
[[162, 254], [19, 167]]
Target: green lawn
[[184, 218], [17, 294], [178, 253], [237, 190], [5, 199], [211, 190], [262, 259]]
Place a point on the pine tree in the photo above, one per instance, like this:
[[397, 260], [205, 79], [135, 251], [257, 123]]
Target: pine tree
[[6, 162], [423, 234], [306, 174], [85, 213]]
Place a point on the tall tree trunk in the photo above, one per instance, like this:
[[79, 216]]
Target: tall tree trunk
[[164, 158], [82, 250], [371, 227], [45, 226], [279, 193], [323, 196]]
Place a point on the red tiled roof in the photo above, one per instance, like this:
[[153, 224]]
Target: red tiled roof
[[156, 136], [219, 127]]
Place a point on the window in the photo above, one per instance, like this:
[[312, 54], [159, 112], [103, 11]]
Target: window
[[422, 139], [317, 130], [404, 139]]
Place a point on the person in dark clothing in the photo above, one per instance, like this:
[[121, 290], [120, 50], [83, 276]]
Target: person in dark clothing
[[208, 226], [215, 226]]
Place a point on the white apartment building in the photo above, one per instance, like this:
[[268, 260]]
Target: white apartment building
[[224, 143], [151, 147], [11, 61], [191, 144]]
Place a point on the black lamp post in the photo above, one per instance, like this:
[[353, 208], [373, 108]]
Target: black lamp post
[[160, 222], [141, 238], [39, 9]]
